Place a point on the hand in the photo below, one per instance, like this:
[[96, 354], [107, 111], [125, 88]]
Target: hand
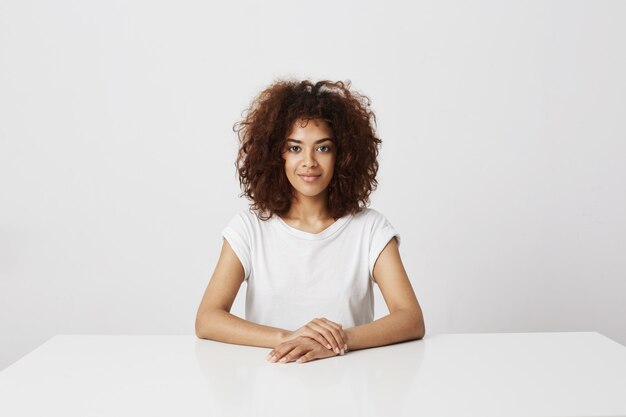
[[302, 348], [325, 332]]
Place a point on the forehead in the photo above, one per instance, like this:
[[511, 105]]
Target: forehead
[[311, 128]]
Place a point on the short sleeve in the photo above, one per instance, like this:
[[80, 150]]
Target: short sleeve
[[238, 233], [381, 233]]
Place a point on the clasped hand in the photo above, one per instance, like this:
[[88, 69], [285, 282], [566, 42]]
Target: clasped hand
[[318, 339]]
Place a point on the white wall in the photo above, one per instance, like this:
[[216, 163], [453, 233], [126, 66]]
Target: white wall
[[502, 166]]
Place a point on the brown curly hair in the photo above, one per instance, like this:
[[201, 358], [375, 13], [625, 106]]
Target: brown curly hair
[[263, 133]]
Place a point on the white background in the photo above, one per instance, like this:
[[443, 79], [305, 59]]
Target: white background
[[502, 164]]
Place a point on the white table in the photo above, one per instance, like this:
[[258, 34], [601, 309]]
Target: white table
[[511, 374]]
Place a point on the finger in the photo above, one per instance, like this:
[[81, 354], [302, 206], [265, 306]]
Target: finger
[[339, 328], [314, 351], [330, 333], [273, 351], [336, 331], [317, 337], [306, 357], [326, 333], [280, 351], [295, 353], [338, 325]]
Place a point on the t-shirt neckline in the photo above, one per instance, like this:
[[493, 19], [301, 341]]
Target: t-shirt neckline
[[330, 230]]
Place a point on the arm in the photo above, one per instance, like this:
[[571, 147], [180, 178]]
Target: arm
[[405, 320], [213, 319]]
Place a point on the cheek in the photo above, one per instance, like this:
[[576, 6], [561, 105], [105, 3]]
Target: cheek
[[331, 164], [290, 165]]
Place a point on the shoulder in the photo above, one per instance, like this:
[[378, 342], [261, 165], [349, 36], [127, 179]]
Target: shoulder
[[247, 215], [377, 225], [370, 216], [248, 220], [242, 220]]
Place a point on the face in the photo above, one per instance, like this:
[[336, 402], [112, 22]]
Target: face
[[309, 156]]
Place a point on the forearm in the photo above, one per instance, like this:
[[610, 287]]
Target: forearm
[[225, 327], [399, 326]]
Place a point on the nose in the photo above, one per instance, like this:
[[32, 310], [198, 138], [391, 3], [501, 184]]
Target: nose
[[308, 159]]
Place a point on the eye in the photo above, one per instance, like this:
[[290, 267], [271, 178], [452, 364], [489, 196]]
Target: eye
[[325, 148]]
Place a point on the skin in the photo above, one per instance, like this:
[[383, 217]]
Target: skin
[[320, 338], [310, 148]]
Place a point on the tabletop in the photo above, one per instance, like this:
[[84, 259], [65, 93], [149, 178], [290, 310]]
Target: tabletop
[[493, 374]]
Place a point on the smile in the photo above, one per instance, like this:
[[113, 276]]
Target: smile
[[309, 178]]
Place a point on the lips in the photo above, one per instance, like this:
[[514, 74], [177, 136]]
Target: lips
[[309, 178]]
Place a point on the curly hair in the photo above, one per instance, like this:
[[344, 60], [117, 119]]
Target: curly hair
[[263, 133]]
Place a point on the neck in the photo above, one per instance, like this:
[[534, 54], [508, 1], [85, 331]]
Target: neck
[[309, 208]]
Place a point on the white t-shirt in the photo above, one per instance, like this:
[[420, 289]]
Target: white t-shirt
[[295, 276]]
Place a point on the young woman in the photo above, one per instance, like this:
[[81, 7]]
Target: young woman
[[309, 248]]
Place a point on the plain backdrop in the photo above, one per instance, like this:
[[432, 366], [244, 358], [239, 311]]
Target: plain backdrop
[[503, 163]]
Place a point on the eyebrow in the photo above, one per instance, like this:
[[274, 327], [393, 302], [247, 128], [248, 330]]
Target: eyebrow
[[317, 141]]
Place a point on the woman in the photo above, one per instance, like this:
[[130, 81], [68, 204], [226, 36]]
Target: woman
[[309, 248]]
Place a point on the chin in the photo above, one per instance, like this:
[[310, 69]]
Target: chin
[[308, 193]]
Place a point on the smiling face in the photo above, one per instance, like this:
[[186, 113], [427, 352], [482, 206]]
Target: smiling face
[[309, 156]]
